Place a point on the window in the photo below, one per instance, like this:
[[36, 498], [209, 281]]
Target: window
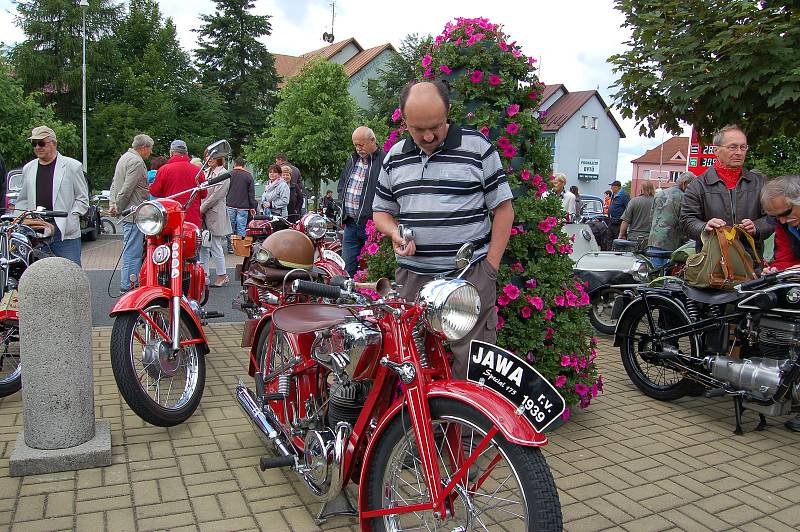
[[673, 176], [585, 121], [646, 174], [594, 122]]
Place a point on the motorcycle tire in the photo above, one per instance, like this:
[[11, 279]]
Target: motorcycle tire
[[600, 311], [140, 374], [654, 380], [534, 496], [10, 367]]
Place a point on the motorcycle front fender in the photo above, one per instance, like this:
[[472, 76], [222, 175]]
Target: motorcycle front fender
[[140, 298], [514, 427]]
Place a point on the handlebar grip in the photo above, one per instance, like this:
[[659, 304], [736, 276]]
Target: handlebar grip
[[755, 283], [218, 179], [54, 214], [339, 280], [127, 212], [317, 289], [262, 217]]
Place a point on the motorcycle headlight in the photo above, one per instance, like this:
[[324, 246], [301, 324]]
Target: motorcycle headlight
[[150, 217], [315, 226], [451, 307], [640, 271]]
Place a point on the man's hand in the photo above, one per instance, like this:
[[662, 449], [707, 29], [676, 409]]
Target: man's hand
[[402, 247], [252, 212], [112, 209], [748, 226], [716, 223], [768, 270]]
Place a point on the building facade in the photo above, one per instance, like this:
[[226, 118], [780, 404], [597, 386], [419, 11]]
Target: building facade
[[662, 165], [583, 135]]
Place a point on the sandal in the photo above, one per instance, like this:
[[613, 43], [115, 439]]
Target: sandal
[[222, 283]]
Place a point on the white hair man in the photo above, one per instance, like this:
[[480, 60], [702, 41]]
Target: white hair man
[[129, 189], [56, 183]]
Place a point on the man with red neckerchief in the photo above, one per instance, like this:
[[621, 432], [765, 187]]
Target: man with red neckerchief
[[727, 193]]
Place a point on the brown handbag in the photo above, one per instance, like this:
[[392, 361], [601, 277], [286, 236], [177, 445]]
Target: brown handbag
[[723, 261]]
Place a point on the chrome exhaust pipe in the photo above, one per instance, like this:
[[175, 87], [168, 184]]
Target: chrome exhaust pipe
[[264, 427], [343, 431]]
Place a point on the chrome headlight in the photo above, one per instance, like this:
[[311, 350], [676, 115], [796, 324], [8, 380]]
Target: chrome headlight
[[640, 271], [451, 307], [150, 217], [315, 226]]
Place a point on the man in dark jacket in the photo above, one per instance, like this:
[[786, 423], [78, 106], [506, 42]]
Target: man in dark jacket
[[295, 188], [726, 194], [356, 191], [241, 200], [619, 202]]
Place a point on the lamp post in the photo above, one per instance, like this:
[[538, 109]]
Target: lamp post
[[84, 4]]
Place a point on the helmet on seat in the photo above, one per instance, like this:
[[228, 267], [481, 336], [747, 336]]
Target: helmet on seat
[[290, 249]]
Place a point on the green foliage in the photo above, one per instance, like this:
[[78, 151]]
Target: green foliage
[[398, 70], [775, 156], [709, 63], [542, 309], [627, 186], [20, 115], [232, 59], [312, 124]]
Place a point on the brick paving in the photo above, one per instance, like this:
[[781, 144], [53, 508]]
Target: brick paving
[[627, 463]]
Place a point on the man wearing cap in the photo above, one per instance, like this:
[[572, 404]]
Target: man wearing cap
[[129, 189], [619, 202], [56, 183], [177, 175]]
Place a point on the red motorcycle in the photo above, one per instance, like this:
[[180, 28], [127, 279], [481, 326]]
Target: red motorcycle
[[158, 346], [361, 391]]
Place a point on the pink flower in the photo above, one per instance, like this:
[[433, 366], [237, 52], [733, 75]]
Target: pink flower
[[509, 151], [550, 249], [565, 361], [531, 283], [428, 73], [525, 174], [503, 142], [512, 109], [426, 61], [548, 333], [444, 69], [548, 315], [561, 380], [477, 76], [525, 312], [513, 129], [559, 300], [585, 401], [494, 80], [373, 248], [514, 231], [533, 95], [500, 322], [503, 46], [531, 60], [537, 180], [485, 131], [537, 302], [517, 266], [511, 291], [581, 389], [553, 238], [594, 390], [565, 414], [503, 300], [397, 115], [370, 228]]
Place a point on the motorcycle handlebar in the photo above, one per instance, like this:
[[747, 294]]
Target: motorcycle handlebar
[[53, 214], [316, 289], [756, 283], [218, 179], [339, 280], [262, 217]]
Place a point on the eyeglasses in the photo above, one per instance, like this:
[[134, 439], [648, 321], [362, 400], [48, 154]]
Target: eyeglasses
[[735, 147], [40, 143], [785, 214]]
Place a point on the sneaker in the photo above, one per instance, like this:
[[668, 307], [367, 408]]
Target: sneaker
[[793, 424]]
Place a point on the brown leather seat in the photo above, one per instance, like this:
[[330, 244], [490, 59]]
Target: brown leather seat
[[307, 317]]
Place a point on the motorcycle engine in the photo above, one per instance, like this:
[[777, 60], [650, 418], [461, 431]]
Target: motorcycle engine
[[759, 376], [776, 335], [340, 348]]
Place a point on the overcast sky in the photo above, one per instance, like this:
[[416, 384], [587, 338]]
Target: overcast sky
[[571, 38]]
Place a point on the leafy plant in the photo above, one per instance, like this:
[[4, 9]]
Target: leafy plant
[[542, 308]]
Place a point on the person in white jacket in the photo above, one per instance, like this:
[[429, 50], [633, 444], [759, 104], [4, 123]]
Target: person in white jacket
[[567, 197]]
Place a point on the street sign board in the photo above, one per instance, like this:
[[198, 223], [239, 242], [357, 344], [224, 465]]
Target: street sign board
[[588, 169]]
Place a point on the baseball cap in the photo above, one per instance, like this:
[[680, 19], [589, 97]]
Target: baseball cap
[[41, 133], [178, 145], [615, 184]]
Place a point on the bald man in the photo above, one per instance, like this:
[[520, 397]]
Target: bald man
[[356, 191], [444, 183]]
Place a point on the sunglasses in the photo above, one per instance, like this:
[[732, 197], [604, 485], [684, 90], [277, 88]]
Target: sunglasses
[[786, 213], [40, 143]]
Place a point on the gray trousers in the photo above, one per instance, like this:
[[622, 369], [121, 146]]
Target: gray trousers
[[484, 277]]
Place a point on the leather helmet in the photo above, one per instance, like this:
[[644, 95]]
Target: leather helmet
[[290, 249]]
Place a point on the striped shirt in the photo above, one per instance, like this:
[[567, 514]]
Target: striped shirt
[[445, 198]]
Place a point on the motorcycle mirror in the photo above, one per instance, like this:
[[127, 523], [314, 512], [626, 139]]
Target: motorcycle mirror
[[464, 255], [219, 149]]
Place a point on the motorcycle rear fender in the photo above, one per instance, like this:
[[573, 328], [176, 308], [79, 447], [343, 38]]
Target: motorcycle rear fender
[[140, 298], [651, 294], [514, 427], [256, 332]]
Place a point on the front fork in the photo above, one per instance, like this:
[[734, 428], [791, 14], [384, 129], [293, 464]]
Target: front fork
[[176, 323]]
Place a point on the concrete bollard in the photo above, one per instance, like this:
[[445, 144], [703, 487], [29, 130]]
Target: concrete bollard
[[55, 322]]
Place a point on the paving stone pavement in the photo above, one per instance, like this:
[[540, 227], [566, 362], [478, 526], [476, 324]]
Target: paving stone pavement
[[626, 463]]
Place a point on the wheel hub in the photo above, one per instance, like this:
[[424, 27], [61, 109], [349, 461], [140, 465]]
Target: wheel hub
[[159, 360]]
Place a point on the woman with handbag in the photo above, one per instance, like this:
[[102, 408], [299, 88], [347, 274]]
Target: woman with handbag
[[276, 194], [216, 224]]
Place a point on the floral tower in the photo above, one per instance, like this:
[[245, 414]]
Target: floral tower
[[541, 307]]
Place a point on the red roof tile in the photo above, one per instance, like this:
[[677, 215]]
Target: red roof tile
[[549, 90], [565, 107], [360, 60], [671, 147]]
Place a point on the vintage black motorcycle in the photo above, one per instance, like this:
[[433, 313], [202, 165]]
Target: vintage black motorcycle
[[742, 343]]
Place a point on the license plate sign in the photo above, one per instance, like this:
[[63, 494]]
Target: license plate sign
[[517, 381]]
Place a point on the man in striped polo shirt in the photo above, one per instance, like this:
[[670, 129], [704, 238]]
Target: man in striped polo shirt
[[449, 186]]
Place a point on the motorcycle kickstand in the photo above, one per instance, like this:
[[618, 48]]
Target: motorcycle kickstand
[[737, 410], [762, 422], [340, 505]]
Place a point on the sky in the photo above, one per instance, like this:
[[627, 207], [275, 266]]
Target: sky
[[571, 38]]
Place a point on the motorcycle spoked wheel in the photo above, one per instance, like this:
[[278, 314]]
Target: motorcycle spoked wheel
[[281, 355], [600, 311], [509, 487], [10, 366], [161, 389], [650, 376]]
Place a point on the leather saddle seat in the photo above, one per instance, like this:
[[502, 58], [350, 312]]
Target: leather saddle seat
[[711, 296], [303, 318], [658, 254]]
